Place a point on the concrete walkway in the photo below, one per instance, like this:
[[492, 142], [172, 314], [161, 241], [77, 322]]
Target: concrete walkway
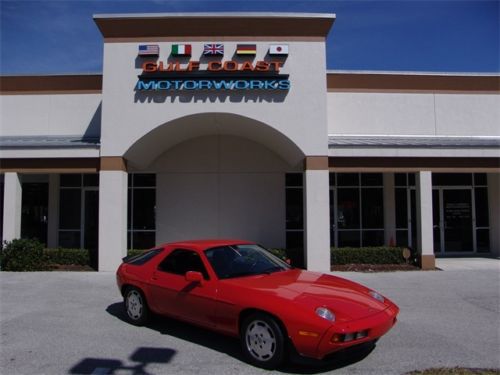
[[457, 264]]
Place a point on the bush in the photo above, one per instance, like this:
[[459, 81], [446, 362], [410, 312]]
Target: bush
[[23, 255], [296, 256], [79, 257], [280, 253], [133, 252], [367, 255]]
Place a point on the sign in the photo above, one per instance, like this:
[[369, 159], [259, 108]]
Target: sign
[[216, 75]]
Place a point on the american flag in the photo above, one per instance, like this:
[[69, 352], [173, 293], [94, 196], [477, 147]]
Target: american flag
[[149, 50], [213, 49]]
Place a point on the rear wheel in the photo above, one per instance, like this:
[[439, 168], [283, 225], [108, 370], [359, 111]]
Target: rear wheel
[[263, 341], [136, 306]]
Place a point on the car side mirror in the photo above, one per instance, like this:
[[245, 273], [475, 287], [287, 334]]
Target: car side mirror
[[194, 277]]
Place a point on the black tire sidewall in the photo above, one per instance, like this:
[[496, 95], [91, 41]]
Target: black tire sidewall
[[145, 311], [279, 355]]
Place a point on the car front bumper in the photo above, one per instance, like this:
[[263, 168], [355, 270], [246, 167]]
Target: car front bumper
[[372, 328]]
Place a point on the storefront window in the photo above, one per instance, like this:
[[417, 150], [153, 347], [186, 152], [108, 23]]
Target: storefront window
[[405, 197], [294, 210], [348, 208], [141, 210], [1, 207], [356, 209], [460, 212], [78, 210], [34, 217]]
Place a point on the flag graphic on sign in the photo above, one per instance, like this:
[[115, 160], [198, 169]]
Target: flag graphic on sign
[[278, 49], [181, 49], [246, 49], [213, 49], [149, 50]]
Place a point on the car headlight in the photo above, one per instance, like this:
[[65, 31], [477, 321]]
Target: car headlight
[[377, 296], [324, 313]]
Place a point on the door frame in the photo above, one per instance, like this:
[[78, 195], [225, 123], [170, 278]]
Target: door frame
[[442, 250]]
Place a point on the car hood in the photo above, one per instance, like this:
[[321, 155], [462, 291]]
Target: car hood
[[347, 299]]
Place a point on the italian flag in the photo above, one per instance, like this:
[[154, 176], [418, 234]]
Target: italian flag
[[181, 49]]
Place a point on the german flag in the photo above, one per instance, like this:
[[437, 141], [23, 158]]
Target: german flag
[[246, 49]]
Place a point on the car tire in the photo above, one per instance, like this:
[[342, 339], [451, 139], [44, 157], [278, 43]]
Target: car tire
[[263, 341], [136, 307]]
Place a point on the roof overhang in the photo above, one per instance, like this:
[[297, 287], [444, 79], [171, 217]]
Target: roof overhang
[[214, 24]]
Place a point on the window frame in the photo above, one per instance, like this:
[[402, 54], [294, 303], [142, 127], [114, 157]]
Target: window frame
[[204, 272]]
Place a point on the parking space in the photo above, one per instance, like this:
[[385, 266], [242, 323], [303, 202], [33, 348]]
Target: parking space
[[58, 323]]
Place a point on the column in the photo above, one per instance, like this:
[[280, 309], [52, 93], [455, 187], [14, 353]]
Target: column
[[317, 215], [494, 205], [389, 210], [112, 213], [425, 241], [12, 204], [53, 225]]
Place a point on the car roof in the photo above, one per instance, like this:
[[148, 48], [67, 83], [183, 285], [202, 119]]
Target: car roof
[[206, 244]]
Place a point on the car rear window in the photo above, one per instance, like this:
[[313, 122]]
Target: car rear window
[[142, 258]]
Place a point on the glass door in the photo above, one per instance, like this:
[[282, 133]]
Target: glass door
[[457, 225]]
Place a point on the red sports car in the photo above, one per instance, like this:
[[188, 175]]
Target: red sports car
[[239, 288]]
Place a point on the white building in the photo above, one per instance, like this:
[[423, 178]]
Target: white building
[[266, 146]]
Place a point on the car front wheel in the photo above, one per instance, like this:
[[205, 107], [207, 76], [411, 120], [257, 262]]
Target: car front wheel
[[135, 306], [263, 341]]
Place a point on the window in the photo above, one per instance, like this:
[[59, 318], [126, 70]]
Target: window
[[356, 209], [78, 210], [34, 213], [406, 224], [443, 184], [141, 211], [294, 210], [143, 258], [181, 261]]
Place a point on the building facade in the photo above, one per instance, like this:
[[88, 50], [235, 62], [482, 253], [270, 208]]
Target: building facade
[[230, 126]]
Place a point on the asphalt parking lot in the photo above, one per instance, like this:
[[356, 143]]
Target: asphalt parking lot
[[60, 323]]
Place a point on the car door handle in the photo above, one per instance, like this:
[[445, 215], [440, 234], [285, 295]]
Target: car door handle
[[154, 277]]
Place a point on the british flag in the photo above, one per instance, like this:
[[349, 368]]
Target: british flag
[[213, 49]]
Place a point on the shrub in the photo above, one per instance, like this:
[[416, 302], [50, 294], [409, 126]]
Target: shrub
[[280, 253], [23, 255], [133, 252], [67, 256], [367, 255], [296, 256]]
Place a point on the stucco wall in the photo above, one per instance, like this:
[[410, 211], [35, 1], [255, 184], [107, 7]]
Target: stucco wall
[[220, 187], [440, 114], [56, 114], [300, 113]]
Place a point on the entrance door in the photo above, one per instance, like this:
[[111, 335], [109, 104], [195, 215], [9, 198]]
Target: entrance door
[[453, 220], [457, 220]]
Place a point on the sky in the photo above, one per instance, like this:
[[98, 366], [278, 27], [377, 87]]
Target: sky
[[52, 37]]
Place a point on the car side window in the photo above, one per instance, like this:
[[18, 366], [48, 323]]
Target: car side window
[[181, 261]]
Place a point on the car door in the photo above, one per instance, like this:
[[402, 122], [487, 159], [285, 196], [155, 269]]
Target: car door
[[175, 296]]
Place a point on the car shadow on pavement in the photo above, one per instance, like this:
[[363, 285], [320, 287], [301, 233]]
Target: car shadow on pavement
[[231, 346], [141, 358]]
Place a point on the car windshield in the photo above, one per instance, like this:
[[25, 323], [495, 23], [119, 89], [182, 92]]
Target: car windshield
[[243, 260]]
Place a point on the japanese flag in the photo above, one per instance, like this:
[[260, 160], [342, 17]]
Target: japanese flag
[[278, 49]]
